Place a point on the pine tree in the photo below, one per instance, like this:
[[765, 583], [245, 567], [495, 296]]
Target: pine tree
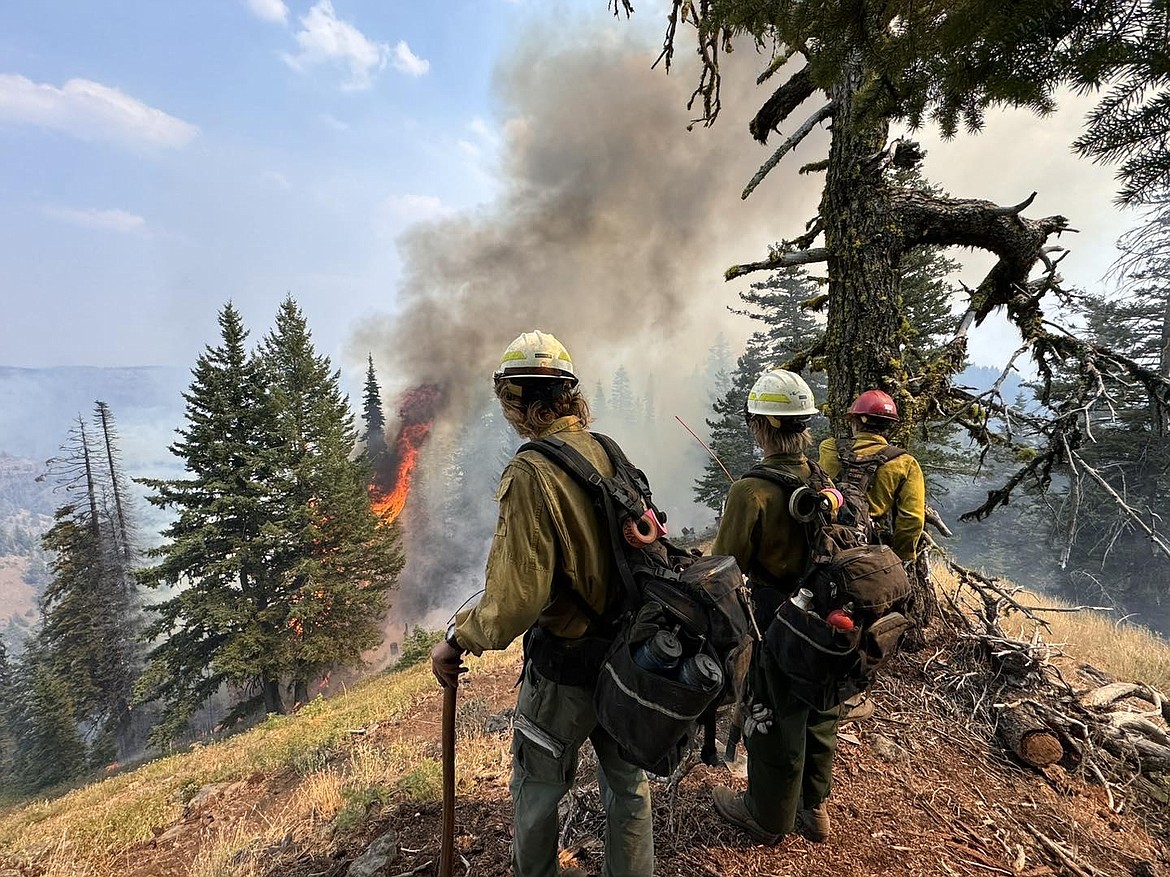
[[373, 416], [598, 406], [622, 406], [1125, 444], [730, 440], [87, 638], [48, 749], [223, 626], [337, 560], [865, 66]]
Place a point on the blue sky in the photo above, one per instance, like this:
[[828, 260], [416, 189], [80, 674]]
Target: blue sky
[[159, 158]]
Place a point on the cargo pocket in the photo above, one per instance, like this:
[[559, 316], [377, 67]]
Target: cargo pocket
[[881, 640], [540, 745]]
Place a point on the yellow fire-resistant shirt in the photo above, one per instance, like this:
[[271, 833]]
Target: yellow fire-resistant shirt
[[897, 494], [548, 539], [757, 529]]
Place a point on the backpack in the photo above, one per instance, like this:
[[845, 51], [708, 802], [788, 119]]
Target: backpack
[[857, 474], [701, 601], [824, 664]]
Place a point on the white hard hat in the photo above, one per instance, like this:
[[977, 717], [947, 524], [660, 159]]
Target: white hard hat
[[780, 393], [536, 354]]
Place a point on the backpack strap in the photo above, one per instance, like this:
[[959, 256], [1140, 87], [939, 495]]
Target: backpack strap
[[867, 465], [607, 495]]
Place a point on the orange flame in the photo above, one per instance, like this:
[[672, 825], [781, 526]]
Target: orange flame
[[389, 505]]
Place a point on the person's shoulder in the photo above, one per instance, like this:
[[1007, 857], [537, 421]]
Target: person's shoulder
[[829, 444]]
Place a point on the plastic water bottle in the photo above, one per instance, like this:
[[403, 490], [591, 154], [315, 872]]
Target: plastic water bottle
[[660, 654], [702, 672]]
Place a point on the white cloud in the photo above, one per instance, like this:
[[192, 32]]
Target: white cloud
[[324, 38], [470, 148], [417, 208], [269, 10], [406, 61], [90, 111], [106, 220]]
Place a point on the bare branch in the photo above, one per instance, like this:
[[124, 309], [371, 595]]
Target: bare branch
[[779, 259], [780, 105], [788, 145], [1015, 210], [1126, 509]]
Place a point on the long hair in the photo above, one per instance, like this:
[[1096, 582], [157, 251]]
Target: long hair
[[533, 405], [779, 440]]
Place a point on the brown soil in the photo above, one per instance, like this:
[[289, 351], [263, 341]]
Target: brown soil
[[918, 791]]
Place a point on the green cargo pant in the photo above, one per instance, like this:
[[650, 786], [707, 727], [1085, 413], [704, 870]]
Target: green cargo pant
[[793, 762], [552, 722]]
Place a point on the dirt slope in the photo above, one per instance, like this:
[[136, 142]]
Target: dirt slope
[[917, 791]]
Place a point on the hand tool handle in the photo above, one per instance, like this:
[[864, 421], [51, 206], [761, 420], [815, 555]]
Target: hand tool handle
[[447, 857]]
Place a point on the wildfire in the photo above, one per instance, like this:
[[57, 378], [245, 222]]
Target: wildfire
[[395, 472]]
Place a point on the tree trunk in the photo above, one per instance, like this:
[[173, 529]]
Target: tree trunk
[[300, 692], [273, 703], [864, 252]]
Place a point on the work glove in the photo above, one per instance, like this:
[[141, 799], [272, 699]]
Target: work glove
[[447, 664], [758, 720]]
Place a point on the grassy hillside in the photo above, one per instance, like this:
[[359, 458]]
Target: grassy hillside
[[304, 794]]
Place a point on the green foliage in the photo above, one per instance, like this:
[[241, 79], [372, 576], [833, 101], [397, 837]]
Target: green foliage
[[416, 647], [356, 807], [87, 641], [282, 565], [48, 749]]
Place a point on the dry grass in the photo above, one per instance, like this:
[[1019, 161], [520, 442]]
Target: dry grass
[[84, 831], [1126, 651]]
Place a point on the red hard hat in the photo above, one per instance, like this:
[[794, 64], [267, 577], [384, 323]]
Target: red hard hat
[[875, 403]]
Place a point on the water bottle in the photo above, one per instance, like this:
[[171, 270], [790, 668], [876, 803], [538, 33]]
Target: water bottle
[[702, 672], [803, 600], [660, 654]]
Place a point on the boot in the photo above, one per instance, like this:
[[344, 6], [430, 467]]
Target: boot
[[856, 708], [731, 807], [814, 823]]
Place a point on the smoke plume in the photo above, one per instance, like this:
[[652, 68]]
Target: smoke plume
[[612, 231]]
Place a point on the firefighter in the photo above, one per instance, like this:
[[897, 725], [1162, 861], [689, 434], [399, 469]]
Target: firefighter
[[897, 491], [551, 576], [790, 744]]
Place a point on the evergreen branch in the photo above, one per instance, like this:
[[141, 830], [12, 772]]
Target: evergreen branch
[[788, 145], [779, 259]]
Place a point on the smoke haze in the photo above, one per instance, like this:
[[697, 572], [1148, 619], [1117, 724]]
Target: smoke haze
[[612, 231]]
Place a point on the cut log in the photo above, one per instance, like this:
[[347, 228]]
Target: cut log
[[1031, 740]]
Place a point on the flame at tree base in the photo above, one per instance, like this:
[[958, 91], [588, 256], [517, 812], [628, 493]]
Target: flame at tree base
[[394, 472]]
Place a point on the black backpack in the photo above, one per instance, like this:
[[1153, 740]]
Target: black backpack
[[824, 663], [700, 600]]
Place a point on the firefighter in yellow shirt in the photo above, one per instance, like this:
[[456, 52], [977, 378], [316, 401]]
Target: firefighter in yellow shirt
[[897, 490], [552, 577]]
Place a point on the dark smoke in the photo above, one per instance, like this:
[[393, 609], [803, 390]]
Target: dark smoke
[[613, 231]]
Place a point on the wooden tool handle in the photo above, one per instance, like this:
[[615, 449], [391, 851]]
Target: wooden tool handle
[[447, 857]]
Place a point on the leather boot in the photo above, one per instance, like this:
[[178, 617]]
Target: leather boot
[[731, 807], [814, 823]]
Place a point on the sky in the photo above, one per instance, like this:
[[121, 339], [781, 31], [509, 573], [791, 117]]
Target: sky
[[159, 159]]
